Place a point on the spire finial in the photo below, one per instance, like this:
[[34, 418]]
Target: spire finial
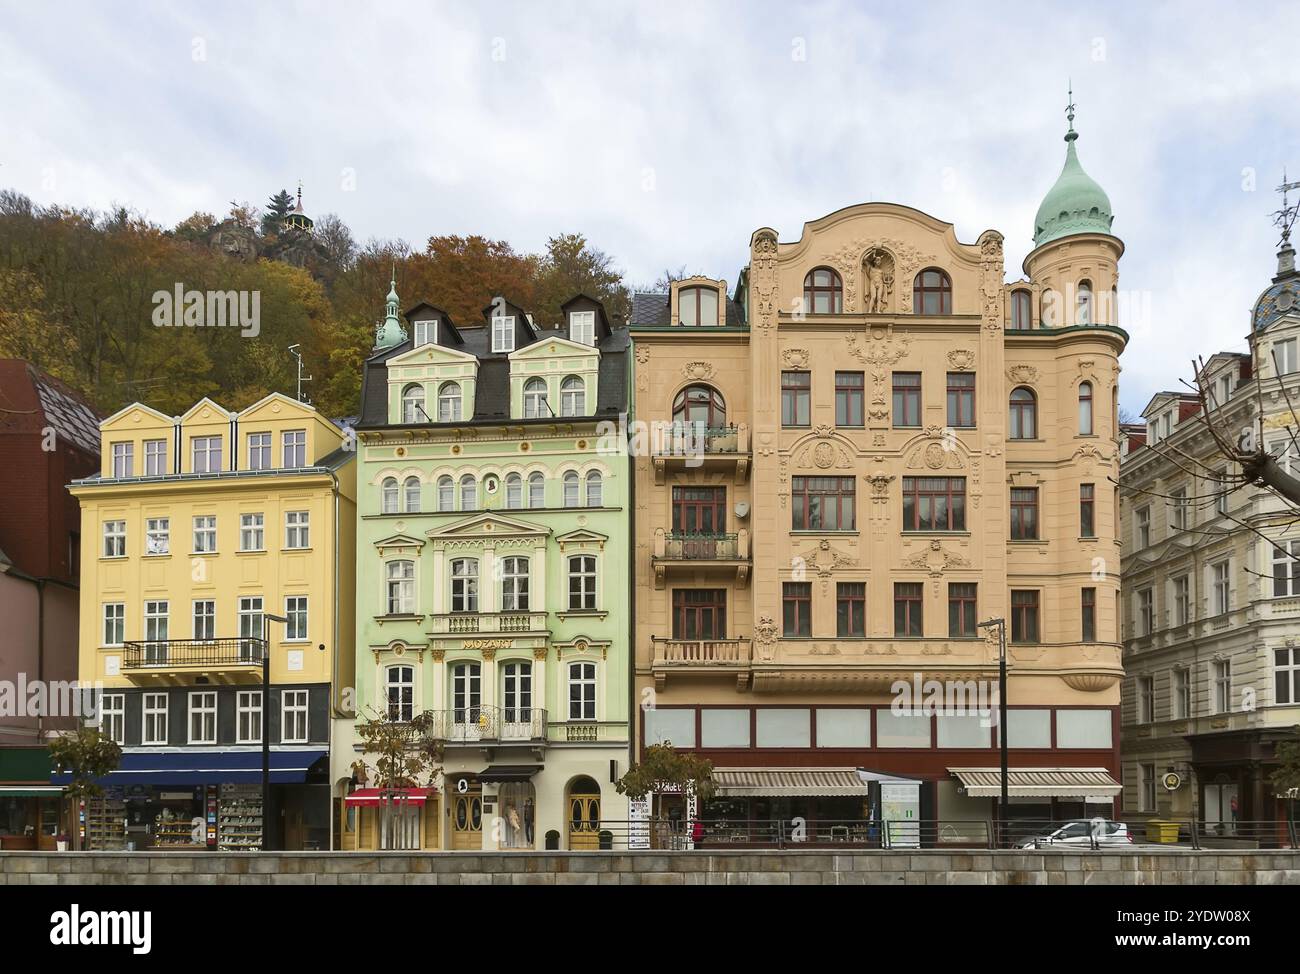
[[1070, 135]]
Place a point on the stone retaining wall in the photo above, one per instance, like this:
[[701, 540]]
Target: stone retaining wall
[[876, 868]]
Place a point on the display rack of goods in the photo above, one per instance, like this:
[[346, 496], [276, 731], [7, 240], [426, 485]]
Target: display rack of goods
[[239, 818]]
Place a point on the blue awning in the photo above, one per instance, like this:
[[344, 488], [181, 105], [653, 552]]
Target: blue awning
[[206, 767]]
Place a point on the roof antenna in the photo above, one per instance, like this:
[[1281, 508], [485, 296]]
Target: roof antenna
[[296, 351], [1284, 219]]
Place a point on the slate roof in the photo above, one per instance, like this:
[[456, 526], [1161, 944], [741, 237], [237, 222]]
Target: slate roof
[[71, 418], [492, 390], [652, 308]]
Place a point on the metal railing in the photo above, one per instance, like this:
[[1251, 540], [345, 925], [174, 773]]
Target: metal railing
[[693, 546], [489, 622], [700, 652], [1241, 834], [693, 440], [469, 725], [160, 654]]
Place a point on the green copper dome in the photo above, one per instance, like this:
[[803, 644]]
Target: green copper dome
[[1076, 204]]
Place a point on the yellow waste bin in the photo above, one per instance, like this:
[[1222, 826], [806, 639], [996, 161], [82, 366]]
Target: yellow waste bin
[[1159, 830]]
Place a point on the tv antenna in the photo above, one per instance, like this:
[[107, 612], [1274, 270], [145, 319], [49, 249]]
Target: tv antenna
[[296, 351]]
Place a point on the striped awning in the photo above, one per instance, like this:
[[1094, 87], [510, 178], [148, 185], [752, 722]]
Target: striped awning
[[1039, 782], [828, 782]]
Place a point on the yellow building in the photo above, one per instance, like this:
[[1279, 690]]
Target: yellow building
[[874, 444], [196, 529]]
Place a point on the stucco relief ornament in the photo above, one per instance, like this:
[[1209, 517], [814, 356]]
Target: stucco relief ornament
[[880, 482], [936, 560], [823, 456], [1022, 373], [795, 358], [934, 456], [697, 370], [766, 306], [1089, 456], [961, 359]]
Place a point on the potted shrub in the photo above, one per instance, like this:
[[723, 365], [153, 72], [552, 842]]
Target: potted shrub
[[61, 841]]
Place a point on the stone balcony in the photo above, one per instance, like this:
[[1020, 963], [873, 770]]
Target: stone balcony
[[683, 446], [700, 657], [689, 552]]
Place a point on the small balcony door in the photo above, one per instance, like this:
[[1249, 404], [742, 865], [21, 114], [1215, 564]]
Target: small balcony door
[[517, 701], [466, 701], [699, 613], [699, 511]]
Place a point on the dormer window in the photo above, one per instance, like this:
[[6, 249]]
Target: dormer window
[[123, 454], [535, 404], [573, 397], [425, 332], [503, 333], [413, 404], [1225, 388], [582, 327], [697, 306], [449, 403], [1284, 357]]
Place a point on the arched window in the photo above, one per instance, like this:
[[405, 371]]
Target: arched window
[[535, 405], [413, 404], [1022, 309], [464, 585], [571, 497], [1083, 304], [594, 489], [1085, 409], [514, 584], [536, 490], [449, 403], [389, 496], [823, 293], [932, 293], [573, 397], [400, 590], [1113, 317], [1024, 414], [697, 306], [1050, 316], [468, 493], [700, 405], [582, 582], [412, 491], [514, 491], [400, 691], [446, 494]]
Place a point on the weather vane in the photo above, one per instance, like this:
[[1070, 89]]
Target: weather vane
[[1285, 217]]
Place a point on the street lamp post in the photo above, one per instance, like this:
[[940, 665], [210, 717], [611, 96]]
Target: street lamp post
[[1001, 625], [266, 723]]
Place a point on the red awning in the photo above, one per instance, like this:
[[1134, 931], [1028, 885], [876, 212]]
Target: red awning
[[377, 796]]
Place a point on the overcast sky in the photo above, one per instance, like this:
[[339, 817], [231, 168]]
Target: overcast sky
[[668, 132]]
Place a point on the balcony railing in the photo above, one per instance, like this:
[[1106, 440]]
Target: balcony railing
[[470, 725], [690, 546], [587, 731], [700, 652], [176, 653], [700, 657], [689, 439], [697, 445], [489, 622]]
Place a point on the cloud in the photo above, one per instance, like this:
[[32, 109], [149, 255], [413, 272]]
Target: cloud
[[668, 132]]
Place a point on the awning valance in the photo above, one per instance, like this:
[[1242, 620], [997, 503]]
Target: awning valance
[[1038, 782], [377, 796], [30, 791], [772, 782], [509, 772], [200, 766]]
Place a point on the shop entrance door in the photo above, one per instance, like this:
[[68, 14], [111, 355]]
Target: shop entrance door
[[584, 814], [1221, 806], [467, 818]]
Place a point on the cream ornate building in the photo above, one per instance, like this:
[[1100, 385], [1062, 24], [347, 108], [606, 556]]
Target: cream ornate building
[[1212, 588], [873, 444]]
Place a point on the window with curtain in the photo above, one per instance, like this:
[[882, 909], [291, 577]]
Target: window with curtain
[[412, 491], [595, 489], [1085, 408], [1024, 414], [573, 397], [449, 403]]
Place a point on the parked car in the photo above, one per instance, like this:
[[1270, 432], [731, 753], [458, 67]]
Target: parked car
[[1081, 832]]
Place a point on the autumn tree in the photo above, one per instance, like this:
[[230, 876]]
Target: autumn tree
[[665, 769], [572, 266], [86, 755]]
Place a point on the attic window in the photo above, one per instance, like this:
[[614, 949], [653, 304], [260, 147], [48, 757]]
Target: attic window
[[582, 327], [503, 333], [697, 306], [426, 332]]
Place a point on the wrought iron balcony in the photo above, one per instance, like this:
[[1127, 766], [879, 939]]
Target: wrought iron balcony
[[693, 445], [451, 623], [237, 658], [708, 657], [695, 551], [495, 725]]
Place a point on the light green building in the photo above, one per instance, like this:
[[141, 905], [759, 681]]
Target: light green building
[[493, 584]]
